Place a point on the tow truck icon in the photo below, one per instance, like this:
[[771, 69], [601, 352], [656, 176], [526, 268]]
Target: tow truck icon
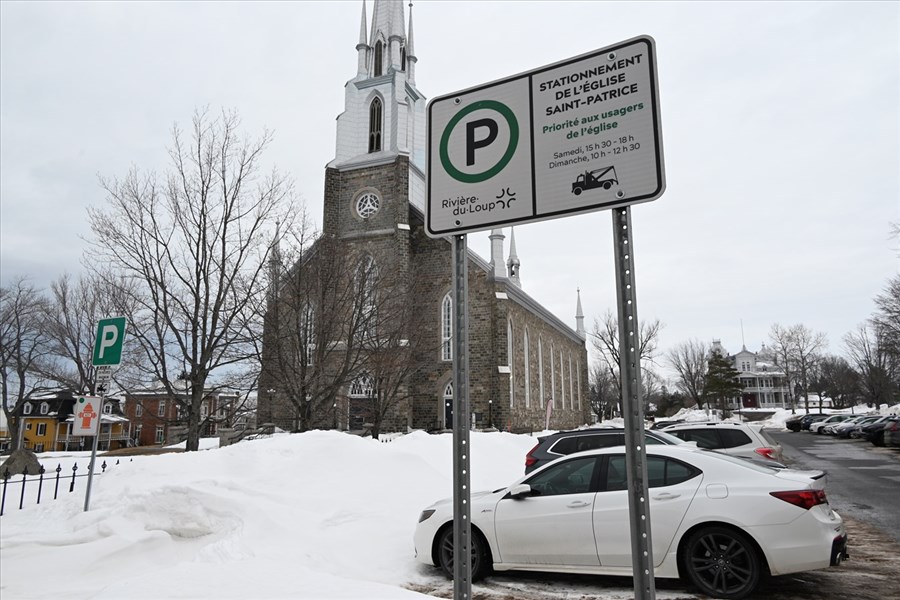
[[603, 177]]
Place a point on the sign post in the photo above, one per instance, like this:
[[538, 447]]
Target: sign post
[[107, 354], [574, 137]]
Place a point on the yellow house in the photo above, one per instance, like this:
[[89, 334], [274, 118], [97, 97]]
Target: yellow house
[[48, 424]]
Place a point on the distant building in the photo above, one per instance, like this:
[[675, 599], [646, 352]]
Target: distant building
[[156, 418], [764, 382], [48, 424]]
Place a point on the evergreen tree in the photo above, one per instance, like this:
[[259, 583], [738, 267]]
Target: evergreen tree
[[721, 381]]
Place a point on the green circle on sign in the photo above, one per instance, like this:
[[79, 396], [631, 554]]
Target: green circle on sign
[[504, 160]]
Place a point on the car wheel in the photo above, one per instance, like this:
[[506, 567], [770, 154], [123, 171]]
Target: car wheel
[[722, 562], [481, 556], [577, 191]]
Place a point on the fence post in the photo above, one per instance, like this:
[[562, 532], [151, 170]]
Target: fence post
[[56, 487], [22, 495], [3, 500], [40, 483], [72, 485]]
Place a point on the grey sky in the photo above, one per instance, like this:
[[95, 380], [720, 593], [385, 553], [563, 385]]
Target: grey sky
[[780, 129]]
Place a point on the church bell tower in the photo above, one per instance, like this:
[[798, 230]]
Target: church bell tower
[[378, 167]]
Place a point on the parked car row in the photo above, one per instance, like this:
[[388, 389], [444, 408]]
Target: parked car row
[[881, 430], [736, 439]]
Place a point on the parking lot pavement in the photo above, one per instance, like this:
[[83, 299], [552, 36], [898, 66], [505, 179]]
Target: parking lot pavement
[[869, 574]]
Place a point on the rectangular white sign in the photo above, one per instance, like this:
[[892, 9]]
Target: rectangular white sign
[[573, 137], [86, 415]]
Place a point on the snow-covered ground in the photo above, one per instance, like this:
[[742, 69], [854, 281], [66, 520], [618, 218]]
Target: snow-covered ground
[[315, 515]]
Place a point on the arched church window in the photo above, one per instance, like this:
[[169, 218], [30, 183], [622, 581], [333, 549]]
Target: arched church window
[[509, 358], [375, 114], [527, 371], [363, 386], [366, 279], [379, 52], [447, 328], [541, 369]]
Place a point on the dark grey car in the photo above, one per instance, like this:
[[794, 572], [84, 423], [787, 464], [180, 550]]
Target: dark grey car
[[562, 443]]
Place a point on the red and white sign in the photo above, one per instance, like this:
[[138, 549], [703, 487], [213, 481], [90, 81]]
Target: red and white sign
[[87, 415]]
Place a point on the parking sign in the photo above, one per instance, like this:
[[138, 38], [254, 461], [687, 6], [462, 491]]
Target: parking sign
[[572, 137]]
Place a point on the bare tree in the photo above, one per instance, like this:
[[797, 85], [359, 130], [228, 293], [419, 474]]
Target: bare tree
[[605, 337], [603, 392], [876, 365], [798, 348], [689, 361], [73, 311], [23, 345], [837, 379], [196, 245], [887, 315], [317, 313]]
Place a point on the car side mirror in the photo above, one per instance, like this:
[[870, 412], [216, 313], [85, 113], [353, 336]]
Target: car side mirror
[[519, 492]]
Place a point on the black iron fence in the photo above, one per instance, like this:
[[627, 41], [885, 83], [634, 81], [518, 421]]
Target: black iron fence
[[15, 485]]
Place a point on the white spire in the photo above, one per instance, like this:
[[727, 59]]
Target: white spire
[[497, 264], [579, 316], [512, 265], [410, 51], [361, 46]]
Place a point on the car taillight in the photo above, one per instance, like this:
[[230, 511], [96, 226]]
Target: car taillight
[[765, 452], [805, 499], [529, 459]]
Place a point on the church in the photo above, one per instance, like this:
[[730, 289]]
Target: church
[[381, 358]]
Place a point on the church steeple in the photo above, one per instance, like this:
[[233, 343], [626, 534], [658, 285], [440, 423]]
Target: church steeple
[[384, 113], [579, 316], [513, 263]]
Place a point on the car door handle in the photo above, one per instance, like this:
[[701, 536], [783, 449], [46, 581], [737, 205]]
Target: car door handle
[[578, 504], [666, 496]]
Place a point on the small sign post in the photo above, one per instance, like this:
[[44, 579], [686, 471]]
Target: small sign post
[[89, 410]]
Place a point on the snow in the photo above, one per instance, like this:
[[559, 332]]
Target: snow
[[318, 515]]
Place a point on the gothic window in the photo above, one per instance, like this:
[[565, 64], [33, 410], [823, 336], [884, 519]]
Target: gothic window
[[527, 371], [571, 385], [578, 370], [362, 387], [307, 336], [379, 52], [541, 369], [509, 359], [448, 405], [366, 277], [447, 328], [552, 378], [562, 379], [367, 204], [375, 113]]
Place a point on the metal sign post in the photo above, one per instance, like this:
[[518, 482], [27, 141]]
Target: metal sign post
[[462, 525], [87, 493], [632, 405]]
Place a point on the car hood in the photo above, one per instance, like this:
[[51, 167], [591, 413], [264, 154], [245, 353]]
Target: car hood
[[474, 498]]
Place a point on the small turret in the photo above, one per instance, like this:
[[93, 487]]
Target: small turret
[[579, 317], [498, 267], [513, 264]]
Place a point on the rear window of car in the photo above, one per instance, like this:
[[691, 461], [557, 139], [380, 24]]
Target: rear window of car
[[705, 438], [580, 443], [732, 438]]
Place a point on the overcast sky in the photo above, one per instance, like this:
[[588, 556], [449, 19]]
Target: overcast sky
[[780, 131]]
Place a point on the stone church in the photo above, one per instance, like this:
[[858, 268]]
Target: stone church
[[527, 368]]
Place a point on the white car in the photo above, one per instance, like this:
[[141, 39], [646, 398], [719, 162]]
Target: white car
[[818, 426], [719, 522], [737, 439]]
